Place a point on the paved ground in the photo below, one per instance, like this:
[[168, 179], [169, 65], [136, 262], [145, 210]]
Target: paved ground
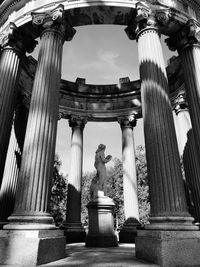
[[79, 255]]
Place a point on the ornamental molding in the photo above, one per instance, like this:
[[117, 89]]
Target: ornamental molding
[[127, 121], [15, 38], [187, 36], [77, 121]]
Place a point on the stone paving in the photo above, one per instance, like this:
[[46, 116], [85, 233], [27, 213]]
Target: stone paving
[[79, 255]]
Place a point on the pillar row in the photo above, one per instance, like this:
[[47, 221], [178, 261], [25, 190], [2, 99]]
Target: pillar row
[[73, 227], [131, 210], [167, 196], [32, 197]]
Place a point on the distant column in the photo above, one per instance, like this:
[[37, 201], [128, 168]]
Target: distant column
[[14, 44], [182, 121], [128, 232], [167, 195], [74, 230]]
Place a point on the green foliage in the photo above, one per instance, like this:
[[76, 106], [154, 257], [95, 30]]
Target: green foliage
[[143, 188], [58, 193], [115, 191], [85, 195]]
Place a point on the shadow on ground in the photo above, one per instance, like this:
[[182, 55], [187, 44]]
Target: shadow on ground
[[79, 255]]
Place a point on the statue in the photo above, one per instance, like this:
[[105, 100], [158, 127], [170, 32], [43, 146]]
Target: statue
[[99, 181]]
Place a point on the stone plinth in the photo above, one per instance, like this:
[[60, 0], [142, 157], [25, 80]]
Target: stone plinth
[[128, 232], [101, 223], [74, 232], [36, 247], [169, 248]]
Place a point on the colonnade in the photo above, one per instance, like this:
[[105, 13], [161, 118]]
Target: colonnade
[[169, 212]]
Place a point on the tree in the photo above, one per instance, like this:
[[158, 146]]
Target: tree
[[115, 190], [58, 193]]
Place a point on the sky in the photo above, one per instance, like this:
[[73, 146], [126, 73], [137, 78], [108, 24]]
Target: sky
[[102, 54]]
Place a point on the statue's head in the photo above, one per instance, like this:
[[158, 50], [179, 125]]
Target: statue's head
[[101, 147]]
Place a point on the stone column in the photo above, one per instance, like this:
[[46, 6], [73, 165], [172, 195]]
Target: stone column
[[13, 161], [167, 197], [183, 127], [182, 121], [31, 231], [14, 44], [170, 222], [128, 232], [8, 187], [74, 230], [187, 42]]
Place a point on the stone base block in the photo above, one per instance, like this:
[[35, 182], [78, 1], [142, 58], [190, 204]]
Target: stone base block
[[74, 232], [127, 235], [128, 232], [101, 241], [31, 247], [169, 248]]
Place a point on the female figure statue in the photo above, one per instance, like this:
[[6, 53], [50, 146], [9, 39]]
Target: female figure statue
[[99, 181]]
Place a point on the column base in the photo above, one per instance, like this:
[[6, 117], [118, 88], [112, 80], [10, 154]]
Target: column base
[[101, 223], [171, 223], [128, 231], [74, 232], [169, 248], [31, 247], [30, 222]]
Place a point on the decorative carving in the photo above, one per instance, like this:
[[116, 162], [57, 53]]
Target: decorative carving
[[163, 16], [53, 19], [180, 102], [127, 121], [13, 37], [75, 121], [47, 19], [189, 35]]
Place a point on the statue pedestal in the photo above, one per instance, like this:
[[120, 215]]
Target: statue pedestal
[[101, 223]]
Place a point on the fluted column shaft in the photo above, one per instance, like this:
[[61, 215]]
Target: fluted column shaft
[[9, 182], [131, 210], [75, 174], [9, 67], [167, 195], [32, 197], [191, 65]]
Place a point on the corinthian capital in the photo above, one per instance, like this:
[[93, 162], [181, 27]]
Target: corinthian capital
[[53, 19], [14, 38], [76, 121], [147, 17], [127, 121], [189, 35]]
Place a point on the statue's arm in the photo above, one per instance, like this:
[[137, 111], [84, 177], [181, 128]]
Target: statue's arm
[[105, 159]]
